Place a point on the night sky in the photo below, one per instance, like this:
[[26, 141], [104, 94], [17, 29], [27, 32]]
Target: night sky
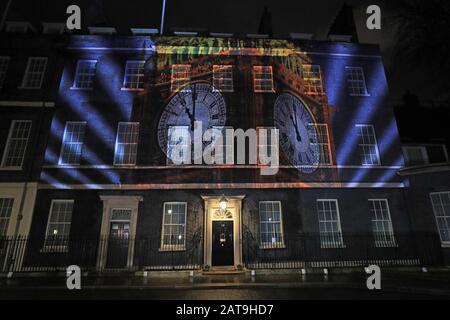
[[239, 17]]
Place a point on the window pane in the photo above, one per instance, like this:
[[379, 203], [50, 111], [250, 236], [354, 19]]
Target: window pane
[[85, 74], [17, 144], [126, 143], [180, 76], [381, 223], [441, 208], [173, 228], [72, 142], [34, 73], [263, 79], [356, 81], [134, 75], [6, 205], [4, 63], [329, 224], [367, 146], [223, 78], [270, 224]]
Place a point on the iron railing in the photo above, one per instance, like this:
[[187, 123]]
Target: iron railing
[[346, 250], [22, 254]]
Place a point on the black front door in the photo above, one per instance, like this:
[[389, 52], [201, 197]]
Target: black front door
[[222, 243], [118, 245]]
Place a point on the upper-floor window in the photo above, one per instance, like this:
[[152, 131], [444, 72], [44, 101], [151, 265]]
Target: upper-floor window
[[173, 235], [223, 151], [329, 224], [85, 74], [126, 143], [223, 78], [441, 208], [356, 81], [134, 75], [323, 141], [6, 205], [72, 144], [312, 78], [381, 223], [368, 146], [58, 225], [179, 145], [270, 225], [425, 154], [415, 155], [17, 143], [263, 79], [268, 140], [180, 76], [4, 63], [34, 73]]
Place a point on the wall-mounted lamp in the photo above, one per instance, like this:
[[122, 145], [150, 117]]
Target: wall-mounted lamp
[[223, 202]]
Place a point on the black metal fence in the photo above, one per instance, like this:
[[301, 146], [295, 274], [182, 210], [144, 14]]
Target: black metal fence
[[21, 254], [346, 250]]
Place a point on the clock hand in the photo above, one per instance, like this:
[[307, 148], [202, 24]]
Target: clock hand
[[193, 108], [299, 138]]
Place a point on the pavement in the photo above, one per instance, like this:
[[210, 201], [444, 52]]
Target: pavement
[[268, 285]]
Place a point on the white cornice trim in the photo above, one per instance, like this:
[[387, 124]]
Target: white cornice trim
[[33, 104], [171, 167], [434, 168], [204, 186]]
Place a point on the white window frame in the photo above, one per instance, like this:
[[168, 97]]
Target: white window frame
[[258, 83], [173, 247], [29, 73], [4, 66], [351, 83], [264, 144], [271, 245], [423, 151], [179, 83], [133, 85], [60, 162], [57, 245], [188, 156], [9, 142], [227, 146], [9, 209], [135, 143], [445, 243], [322, 145], [387, 235], [362, 145], [76, 84], [312, 79], [224, 83], [336, 243]]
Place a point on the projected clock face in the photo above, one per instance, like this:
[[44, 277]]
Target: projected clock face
[[195, 102], [298, 136]]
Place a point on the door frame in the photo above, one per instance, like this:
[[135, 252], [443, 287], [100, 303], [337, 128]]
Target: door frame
[[211, 204], [117, 202]]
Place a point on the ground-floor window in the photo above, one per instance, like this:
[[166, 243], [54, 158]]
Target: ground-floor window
[[174, 226], [329, 223], [270, 224], [6, 205], [381, 223], [441, 208], [58, 225]]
